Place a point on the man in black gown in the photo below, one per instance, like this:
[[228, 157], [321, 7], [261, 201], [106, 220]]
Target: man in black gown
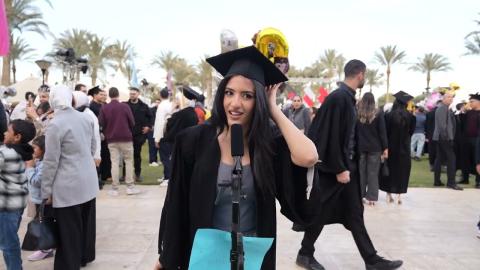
[[337, 188]]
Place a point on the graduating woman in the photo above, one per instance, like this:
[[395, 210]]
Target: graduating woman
[[400, 127], [273, 163]]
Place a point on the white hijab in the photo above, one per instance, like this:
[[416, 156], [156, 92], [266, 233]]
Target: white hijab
[[60, 97], [81, 99]]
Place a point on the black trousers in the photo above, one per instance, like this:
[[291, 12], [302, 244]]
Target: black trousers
[[470, 167], [76, 226], [138, 142], [432, 151], [165, 158], [356, 225], [445, 152], [105, 168]]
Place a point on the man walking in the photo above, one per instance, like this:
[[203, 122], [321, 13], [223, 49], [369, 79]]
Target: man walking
[[418, 137], [443, 136], [117, 122], [143, 124], [337, 196], [164, 110]]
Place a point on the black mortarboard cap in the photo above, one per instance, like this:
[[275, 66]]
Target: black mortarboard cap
[[190, 94], [93, 91], [403, 97], [248, 62], [475, 96]]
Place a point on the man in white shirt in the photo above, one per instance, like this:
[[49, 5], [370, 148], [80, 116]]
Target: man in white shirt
[[164, 111]]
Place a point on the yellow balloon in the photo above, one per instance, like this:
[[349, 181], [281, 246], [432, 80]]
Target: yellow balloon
[[272, 43]]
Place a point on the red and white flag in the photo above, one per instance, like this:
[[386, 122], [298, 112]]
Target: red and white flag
[[322, 94], [309, 96], [4, 35]]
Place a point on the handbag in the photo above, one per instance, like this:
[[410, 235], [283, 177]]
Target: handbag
[[42, 232]]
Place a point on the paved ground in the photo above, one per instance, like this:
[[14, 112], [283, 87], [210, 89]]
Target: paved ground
[[433, 229]]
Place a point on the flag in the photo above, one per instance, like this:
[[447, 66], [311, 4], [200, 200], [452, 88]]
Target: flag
[[133, 75], [291, 95], [4, 35], [309, 96], [322, 94]]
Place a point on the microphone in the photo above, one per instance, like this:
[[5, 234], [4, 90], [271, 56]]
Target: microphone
[[237, 140]]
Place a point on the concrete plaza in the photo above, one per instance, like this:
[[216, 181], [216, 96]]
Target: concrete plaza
[[432, 229]]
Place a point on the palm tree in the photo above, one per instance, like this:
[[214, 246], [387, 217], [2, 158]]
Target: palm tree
[[313, 71], [472, 44], [429, 63], [388, 56], [373, 78], [76, 39], [184, 73], [205, 72], [122, 51], [99, 55], [330, 61], [22, 16], [340, 64], [165, 61], [19, 51]]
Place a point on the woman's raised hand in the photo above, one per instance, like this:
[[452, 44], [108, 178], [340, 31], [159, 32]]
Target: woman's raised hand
[[272, 96]]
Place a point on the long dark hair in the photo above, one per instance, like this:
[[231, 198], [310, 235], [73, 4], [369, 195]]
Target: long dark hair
[[366, 109], [260, 136], [399, 113]]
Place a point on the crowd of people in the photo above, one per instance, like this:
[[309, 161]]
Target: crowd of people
[[343, 154]]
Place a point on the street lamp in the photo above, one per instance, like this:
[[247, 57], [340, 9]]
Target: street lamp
[[43, 65]]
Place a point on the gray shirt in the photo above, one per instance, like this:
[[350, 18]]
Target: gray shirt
[[222, 214], [444, 124], [69, 174]]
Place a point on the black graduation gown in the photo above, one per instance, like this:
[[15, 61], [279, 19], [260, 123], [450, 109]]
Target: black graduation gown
[[461, 143], [331, 131], [189, 203], [400, 128], [186, 117]]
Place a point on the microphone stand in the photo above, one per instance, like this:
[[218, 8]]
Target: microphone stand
[[236, 252]]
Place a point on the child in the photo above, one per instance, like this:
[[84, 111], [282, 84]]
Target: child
[[34, 176], [13, 187]]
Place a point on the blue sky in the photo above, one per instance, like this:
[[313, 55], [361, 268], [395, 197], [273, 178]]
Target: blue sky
[[354, 28]]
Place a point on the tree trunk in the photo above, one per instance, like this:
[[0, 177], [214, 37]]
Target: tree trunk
[[94, 76], [14, 71], [6, 71], [387, 98], [428, 82], [6, 59]]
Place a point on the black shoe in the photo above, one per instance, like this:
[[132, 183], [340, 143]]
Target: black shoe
[[454, 187], [138, 178], [416, 158], [438, 184], [308, 262], [384, 264]]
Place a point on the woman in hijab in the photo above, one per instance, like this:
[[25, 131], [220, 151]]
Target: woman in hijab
[[81, 104], [69, 180]]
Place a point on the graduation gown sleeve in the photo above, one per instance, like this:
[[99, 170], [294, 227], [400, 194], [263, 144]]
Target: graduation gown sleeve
[[174, 237], [290, 183], [327, 131]]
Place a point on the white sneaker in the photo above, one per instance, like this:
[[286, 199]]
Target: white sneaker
[[113, 192], [132, 191], [164, 183], [160, 180], [153, 164]]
